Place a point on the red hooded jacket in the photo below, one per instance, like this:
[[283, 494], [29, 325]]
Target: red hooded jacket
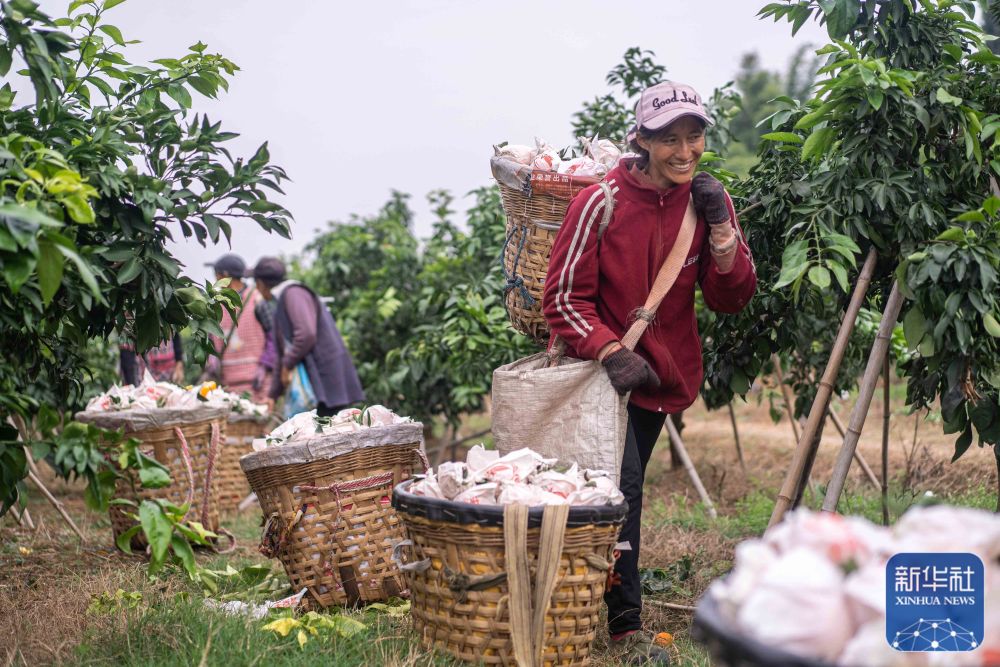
[[591, 291]]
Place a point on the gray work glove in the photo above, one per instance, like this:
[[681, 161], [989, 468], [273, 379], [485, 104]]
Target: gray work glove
[[628, 371], [709, 197]]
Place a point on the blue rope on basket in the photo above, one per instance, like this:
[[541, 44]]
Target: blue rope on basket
[[514, 281]]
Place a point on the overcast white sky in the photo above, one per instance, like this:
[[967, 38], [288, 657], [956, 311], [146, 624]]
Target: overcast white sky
[[358, 98]]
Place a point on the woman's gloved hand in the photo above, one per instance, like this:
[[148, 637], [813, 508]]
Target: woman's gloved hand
[[709, 197], [627, 371]]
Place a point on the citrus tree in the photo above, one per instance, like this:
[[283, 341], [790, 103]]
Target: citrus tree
[[424, 322], [102, 162], [895, 150]]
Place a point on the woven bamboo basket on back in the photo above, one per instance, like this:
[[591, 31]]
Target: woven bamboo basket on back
[[188, 444], [327, 512], [462, 585], [535, 204], [240, 433]]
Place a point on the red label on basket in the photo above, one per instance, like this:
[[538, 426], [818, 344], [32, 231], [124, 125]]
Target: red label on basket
[[563, 186]]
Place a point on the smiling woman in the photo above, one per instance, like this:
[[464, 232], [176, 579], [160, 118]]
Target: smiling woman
[[597, 290]]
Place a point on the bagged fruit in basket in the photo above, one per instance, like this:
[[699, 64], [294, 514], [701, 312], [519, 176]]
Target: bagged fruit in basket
[[521, 477], [582, 166], [453, 478], [480, 494], [602, 151], [546, 157], [516, 153]]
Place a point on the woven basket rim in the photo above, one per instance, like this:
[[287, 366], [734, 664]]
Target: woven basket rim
[[330, 446], [171, 417], [438, 509], [235, 417]]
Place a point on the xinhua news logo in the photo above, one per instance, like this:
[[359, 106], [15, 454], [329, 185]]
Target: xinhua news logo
[[934, 602]]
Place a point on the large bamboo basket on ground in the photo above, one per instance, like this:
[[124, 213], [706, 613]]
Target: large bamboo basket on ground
[[241, 431], [462, 589], [535, 204], [187, 442], [327, 512]]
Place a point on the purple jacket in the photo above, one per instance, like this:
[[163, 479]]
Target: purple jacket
[[304, 332]]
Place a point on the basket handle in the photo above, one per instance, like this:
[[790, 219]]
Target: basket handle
[[529, 604], [397, 558]]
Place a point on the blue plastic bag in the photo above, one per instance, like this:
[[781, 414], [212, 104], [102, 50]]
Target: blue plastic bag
[[300, 396]]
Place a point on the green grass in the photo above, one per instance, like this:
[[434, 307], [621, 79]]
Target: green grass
[[748, 517], [182, 631]]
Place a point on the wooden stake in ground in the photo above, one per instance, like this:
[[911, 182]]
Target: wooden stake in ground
[[675, 438], [55, 503], [785, 395], [887, 413], [869, 473], [736, 436], [880, 348], [23, 518], [808, 442]]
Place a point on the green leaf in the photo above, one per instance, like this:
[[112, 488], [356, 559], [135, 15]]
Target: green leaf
[[79, 209], [124, 540], [157, 528], [739, 384], [108, 4], [944, 97], [914, 327], [180, 95], [820, 277], [840, 273], [962, 444], [875, 98], [991, 325], [17, 269], [818, 143], [154, 477], [29, 215], [185, 554], [129, 271], [787, 137], [50, 270], [953, 234], [790, 273], [204, 86], [84, 269], [5, 59], [112, 32]]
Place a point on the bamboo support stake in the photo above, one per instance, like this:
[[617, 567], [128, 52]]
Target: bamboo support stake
[[23, 518], [55, 503], [869, 473], [808, 441], [786, 395], [880, 348], [675, 438], [887, 414], [736, 436], [668, 605]]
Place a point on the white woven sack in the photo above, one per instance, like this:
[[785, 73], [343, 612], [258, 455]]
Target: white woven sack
[[569, 412]]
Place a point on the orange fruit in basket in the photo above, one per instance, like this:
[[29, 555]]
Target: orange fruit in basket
[[663, 639]]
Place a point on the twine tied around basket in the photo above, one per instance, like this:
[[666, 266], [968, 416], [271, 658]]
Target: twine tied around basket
[[515, 281], [213, 452], [186, 457]]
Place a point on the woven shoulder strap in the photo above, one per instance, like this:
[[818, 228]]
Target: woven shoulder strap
[[665, 279]]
